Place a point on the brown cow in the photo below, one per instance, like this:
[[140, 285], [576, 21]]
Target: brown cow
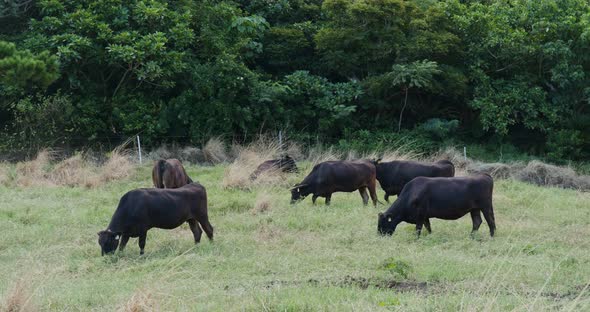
[[169, 173], [337, 176]]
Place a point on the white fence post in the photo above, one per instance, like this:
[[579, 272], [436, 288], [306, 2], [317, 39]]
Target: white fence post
[[465, 153], [139, 150]]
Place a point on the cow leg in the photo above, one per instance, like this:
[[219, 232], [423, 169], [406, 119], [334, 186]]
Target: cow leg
[[207, 227], [427, 225], [364, 195], [141, 242], [476, 219], [419, 228], [488, 214], [313, 198], [195, 229], [328, 199], [373, 193], [124, 240]]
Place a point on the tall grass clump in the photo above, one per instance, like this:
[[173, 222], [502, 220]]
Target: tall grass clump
[[215, 151], [187, 154], [118, 166], [5, 176], [542, 174], [18, 299], [33, 172], [248, 158], [319, 154], [534, 172], [73, 171], [263, 203], [141, 301]]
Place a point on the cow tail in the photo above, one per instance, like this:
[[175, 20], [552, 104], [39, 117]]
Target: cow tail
[[159, 169]]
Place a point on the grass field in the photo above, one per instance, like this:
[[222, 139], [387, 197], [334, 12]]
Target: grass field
[[271, 256]]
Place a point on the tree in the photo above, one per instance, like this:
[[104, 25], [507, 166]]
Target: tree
[[418, 75], [22, 70]]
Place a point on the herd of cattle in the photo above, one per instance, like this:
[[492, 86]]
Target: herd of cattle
[[424, 191]]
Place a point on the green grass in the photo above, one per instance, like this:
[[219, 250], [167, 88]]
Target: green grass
[[298, 258]]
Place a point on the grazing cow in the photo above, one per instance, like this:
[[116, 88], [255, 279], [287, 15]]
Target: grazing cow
[[142, 209], [394, 175], [337, 176], [442, 198], [285, 164], [169, 173]]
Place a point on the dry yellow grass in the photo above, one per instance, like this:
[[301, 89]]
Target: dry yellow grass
[[215, 151], [318, 155], [72, 171], [534, 172], [4, 174], [32, 172], [18, 299], [118, 166], [540, 173], [237, 174], [263, 203], [141, 301]]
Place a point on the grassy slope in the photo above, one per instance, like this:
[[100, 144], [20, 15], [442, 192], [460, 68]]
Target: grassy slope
[[299, 257]]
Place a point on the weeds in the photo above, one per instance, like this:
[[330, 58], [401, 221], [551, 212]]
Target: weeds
[[18, 299]]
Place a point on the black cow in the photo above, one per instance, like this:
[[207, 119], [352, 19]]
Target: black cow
[[394, 175], [142, 209], [442, 198], [285, 164], [337, 176]]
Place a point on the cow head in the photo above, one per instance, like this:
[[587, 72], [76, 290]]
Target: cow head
[[298, 192], [108, 241], [386, 224], [287, 164]]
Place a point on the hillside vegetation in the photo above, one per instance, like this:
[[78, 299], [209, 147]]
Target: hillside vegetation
[[512, 73], [271, 256]]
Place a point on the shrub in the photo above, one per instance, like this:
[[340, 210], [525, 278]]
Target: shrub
[[439, 129], [565, 144], [214, 151], [399, 267]]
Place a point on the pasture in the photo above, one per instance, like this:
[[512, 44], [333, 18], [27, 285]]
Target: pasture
[[271, 256]]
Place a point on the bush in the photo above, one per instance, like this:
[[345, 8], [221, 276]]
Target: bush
[[565, 144], [439, 129], [364, 141]]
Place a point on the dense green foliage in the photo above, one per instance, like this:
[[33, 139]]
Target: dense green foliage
[[508, 72]]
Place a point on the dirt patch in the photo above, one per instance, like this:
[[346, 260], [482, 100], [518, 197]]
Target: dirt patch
[[359, 282], [570, 294], [364, 283]]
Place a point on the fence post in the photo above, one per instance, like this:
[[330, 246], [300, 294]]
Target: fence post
[[465, 153], [281, 138], [139, 150]]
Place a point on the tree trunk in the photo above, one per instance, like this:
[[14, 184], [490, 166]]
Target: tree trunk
[[399, 125]]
